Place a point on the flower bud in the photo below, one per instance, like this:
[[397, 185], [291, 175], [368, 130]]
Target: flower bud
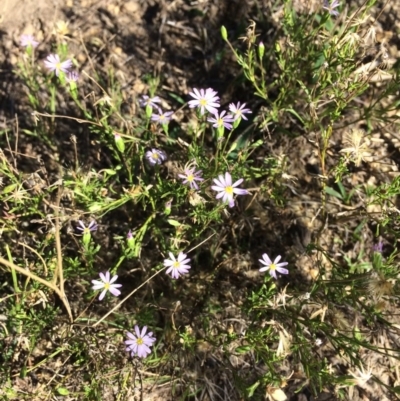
[[224, 33], [119, 143], [130, 240], [167, 207], [261, 50]]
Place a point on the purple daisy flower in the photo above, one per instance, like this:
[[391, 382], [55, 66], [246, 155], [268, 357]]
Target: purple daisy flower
[[53, 63], [149, 101], [330, 7], [221, 120], [107, 284], [191, 176], [204, 100], [274, 266], [226, 189], [177, 267], [28, 40], [239, 111], [155, 156], [162, 118], [72, 76], [139, 343], [90, 228], [378, 247]]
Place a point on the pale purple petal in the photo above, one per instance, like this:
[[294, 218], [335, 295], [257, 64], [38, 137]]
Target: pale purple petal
[[220, 195], [137, 331], [181, 257], [105, 277], [220, 181], [115, 291], [228, 180], [97, 285], [281, 264], [143, 332], [282, 270], [266, 259], [240, 191], [238, 182]]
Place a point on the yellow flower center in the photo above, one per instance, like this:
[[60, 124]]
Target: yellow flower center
[[155, 155], [107, 286], [139, 341], [203, 102], [58, 66], [272, 266], [190, 177], [229, 190], [176, 264]]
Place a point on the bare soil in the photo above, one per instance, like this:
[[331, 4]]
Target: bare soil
[[180, 41]]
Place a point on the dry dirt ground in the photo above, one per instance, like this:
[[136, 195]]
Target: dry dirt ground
[[174, 39]]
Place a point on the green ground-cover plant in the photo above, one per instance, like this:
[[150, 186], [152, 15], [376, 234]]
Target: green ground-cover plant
[[165, 214]]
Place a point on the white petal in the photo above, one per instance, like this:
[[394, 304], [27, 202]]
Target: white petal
[[240, 191], [282, 270], [217, 188], [267, 259], [102, 295], [228, 180], [238, 182]]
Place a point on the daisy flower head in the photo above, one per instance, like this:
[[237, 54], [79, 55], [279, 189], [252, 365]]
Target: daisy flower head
[[221, 120], [177, 266], [162, 118], [139, 343], [226, 189], [86, 231], [190, 177], [28, 40], [145, 101], [130, 240], [106, 283], [72, 76], [53, 63], [274, 266], [167, 207], [239, 111], [90, 228], [378, 247], [331, 7], [155, 156], [204, 99]]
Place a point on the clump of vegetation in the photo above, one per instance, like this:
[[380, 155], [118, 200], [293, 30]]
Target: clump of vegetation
[[190, 261]]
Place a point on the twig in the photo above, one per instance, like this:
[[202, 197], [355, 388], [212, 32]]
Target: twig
[[33, 276], [37, 254], [141, 285]]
